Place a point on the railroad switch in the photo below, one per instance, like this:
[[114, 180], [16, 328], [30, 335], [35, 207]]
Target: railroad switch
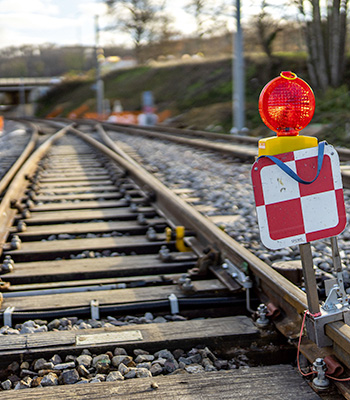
[[320, 382]]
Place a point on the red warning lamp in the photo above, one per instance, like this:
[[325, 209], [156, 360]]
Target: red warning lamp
[[287, 104]]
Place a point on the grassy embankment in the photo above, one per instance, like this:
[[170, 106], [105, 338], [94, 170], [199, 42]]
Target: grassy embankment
[[199, 94]]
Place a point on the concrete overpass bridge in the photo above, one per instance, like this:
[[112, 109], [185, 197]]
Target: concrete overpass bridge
[[18, 95]]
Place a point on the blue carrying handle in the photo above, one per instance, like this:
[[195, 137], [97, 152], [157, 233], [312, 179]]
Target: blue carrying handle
[[292, 174]]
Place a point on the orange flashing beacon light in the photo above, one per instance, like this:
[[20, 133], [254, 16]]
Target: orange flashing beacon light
[[286, 106]]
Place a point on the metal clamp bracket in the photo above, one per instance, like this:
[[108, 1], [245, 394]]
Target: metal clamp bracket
[[335, 308], [174, 303], [315, 325], [237, 274], [95, 311], [8, 316]]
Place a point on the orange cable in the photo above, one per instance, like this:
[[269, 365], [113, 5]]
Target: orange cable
[[298, 352]]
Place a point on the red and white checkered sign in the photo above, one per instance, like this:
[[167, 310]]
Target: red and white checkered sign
[[291, 213]]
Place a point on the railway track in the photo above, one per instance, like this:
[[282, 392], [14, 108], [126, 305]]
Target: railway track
[[16, 145], [236, 146], [92, 235], [242, 147]]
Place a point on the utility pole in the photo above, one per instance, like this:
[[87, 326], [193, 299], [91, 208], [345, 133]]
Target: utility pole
[[238, 76], [99, 81], [22, 99]]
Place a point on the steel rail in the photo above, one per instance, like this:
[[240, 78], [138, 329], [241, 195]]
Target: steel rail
[[249, 140], [182, 213], [246, 148], [284, 294], [343, 152], [244, 152], [274, 286], [190, 132], [277, 288], [5, 181]]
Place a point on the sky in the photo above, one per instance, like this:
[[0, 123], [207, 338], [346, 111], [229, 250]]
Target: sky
[[65, 22], [71, 22]]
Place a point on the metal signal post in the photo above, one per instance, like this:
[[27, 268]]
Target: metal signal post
[[299, 195], [238, 95], [99, 81]]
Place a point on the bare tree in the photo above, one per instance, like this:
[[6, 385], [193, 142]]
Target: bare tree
[[208, 16], [325, 34], [137, 18], [198, 9], [266, 28], [162, 27]]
